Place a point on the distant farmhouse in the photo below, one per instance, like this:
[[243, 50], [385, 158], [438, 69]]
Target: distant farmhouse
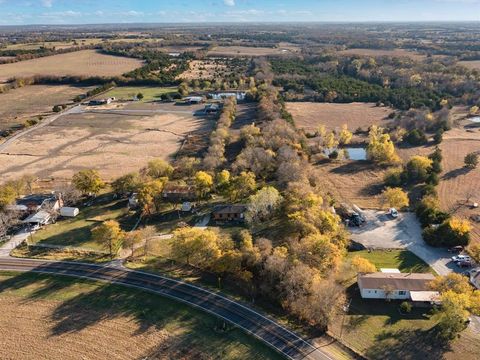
[[229, 213], [398, 286], [179, 193], [97, 102]]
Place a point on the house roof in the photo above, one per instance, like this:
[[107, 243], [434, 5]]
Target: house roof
[[35, 199], [402, 281], [475, 278], [40, 217], [229, 209], [432, 296]]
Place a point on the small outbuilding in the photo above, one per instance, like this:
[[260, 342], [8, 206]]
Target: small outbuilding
[[69, 211]]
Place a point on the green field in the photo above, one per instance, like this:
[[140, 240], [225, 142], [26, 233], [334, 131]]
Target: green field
[[82, 305], [129, 92], [403, 260], [76, 232]]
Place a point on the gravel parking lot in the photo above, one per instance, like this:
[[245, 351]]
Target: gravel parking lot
[[383, 232]]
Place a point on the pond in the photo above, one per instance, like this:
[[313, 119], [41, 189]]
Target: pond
[[354, 153], [475, 119]]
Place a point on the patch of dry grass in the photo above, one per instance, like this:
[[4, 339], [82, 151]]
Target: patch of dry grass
[[80, 63]]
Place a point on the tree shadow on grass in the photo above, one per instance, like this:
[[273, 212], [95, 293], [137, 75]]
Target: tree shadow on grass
[[456, 173], [191, 333], [408, 345]]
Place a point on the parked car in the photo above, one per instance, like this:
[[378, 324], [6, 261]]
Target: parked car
[[464, 263], [456, 249], [393, 213], [458, 258]]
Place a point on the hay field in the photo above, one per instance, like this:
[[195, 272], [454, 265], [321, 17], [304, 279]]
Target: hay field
[[79, 63], [111, 142], [379, 52], [309, 115], [457, 183], [353, 182], [60, 318], [21, 104], [472, 65], [251, 51]]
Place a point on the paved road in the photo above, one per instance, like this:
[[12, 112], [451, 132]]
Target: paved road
[[381, 231], [266, 330]]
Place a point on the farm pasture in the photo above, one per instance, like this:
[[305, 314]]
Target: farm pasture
[[80, 63], [458, 184], [309, 115], [471, 64], [64, 318], [353, 182], [379, 52], [252, 51], [124, 93], [18, 105], [112, 140]]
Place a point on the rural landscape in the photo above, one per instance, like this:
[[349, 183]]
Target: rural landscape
[[240, 190]]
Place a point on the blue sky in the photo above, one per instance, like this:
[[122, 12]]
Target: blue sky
[[13, 12]]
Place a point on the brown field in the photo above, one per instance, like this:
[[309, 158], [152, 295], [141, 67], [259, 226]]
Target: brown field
[[309, 116], [204, 69], [80, 63], [178, 49], [61, 318], [18, 105], [378, 52], [113, 143], [473, 64], [353, 182], [458, 184], [252, 51]]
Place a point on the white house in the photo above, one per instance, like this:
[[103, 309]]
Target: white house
[[397, 286]]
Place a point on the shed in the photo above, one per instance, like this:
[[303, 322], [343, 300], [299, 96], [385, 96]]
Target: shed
[[69, 211]]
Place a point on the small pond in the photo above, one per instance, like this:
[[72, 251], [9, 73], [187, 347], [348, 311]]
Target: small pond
[[354, 153]]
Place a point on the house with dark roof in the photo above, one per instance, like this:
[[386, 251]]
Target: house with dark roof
[[35, 202], [227, 213], [179, 193], [397, 286]]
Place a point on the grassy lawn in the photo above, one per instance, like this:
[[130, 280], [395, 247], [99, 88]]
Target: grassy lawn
[[81, 306], [403, 260], [376, 329], [149, 93], [76, 232]]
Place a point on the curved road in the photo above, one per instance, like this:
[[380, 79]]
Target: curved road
[[266, 330]]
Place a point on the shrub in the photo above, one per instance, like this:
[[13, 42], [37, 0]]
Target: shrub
[[57, 108], [438, 137], [417, 169], [393, 177], [471, 160], [452, 232], [405, 307], [415, 137]]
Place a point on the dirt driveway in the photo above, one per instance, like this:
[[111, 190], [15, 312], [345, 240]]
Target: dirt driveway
[[381, 231]]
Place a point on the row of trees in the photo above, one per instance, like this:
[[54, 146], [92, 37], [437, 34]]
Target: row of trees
[[215, 156]]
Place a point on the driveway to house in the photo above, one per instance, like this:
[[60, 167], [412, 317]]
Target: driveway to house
[[383, 232], [16, 240]]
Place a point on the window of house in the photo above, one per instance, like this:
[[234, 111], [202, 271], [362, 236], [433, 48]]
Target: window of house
[[402, 292]]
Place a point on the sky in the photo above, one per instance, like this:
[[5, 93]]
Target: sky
[[19, 12]]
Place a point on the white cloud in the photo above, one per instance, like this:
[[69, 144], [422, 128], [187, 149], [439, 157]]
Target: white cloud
[[229, 2], [47, 3]]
